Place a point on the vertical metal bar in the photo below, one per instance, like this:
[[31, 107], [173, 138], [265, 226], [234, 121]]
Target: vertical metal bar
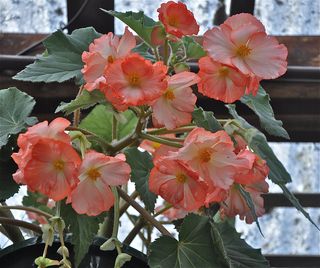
[[91, 15], [241, 6]]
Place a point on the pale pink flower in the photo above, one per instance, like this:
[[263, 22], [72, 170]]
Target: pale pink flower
[[134, 81], [174, 107], [177, 184], [211, 155], [235, 204], [241, 41], [102, 52], [97, 173], [220, 81]]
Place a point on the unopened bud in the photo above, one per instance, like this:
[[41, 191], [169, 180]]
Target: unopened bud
[[108, 245], [63, 251], [47, 234], [121, 259], [43, 262], [181, 67]]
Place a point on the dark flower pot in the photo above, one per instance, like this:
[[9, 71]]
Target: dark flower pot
[[23, 254]]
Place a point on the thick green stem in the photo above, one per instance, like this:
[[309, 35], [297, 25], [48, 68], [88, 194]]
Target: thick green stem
[[160, 140], [77, 113]]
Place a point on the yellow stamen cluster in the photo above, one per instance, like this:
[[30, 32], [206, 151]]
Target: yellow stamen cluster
[[243, 51], [169, 95], [181, 178], [93, 174], [58, 165], [204, 155]]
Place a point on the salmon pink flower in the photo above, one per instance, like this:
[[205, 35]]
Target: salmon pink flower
[[235, 204], [102, 52], [135, 81], [51, 171], [177, 19], [51, 168], [174, 107], [220, 81], [241, 41], [177, 184], [97, 173], [174, 213], [257, 173], [211, 155]]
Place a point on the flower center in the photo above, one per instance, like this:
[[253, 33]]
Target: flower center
[[155, 145], [58, 165], [93, 174], [243, 51], [181, 178], [224, 71], [110, 59], [205, 155], [169, 95], [173, 21], [134, 80]]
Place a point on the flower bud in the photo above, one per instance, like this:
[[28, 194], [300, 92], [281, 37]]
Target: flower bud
[[63, 251], [181, 67], [43, 262], [121, 259], [108, 245], [47, 234]]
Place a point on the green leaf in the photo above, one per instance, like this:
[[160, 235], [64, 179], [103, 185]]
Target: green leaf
[[8, 187], [62, 61], [206, 120], [99, 121], [84, 101], [193, 49], [250, 203], [137, 21], [141, 165], [15, 107], [193, 249], [259, 144], [238, 253], [294, 201], [260, 104], [143, 50], [83, 229]]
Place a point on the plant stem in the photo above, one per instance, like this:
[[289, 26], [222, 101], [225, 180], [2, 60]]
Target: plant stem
[[145, 214], [163, 210], [169, 131], [166, 52], [160, 140], [156, 53], [33, 227], [77, 113], [114, 128], [116, 212], [31, 209]]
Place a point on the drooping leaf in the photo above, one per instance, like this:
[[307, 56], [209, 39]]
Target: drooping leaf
[[238, 252], [260, 104], [206, 120], [250, 203], [259, 144], [83, 229], [62, 60], [278, 174], [83, 101], [143, 50], [15, 108], [193, 49], [99, 121], [138, 22], [141, 165], [193, 249], [294, 201]]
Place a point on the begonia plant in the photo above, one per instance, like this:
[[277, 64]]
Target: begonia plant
[[135, 119]]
